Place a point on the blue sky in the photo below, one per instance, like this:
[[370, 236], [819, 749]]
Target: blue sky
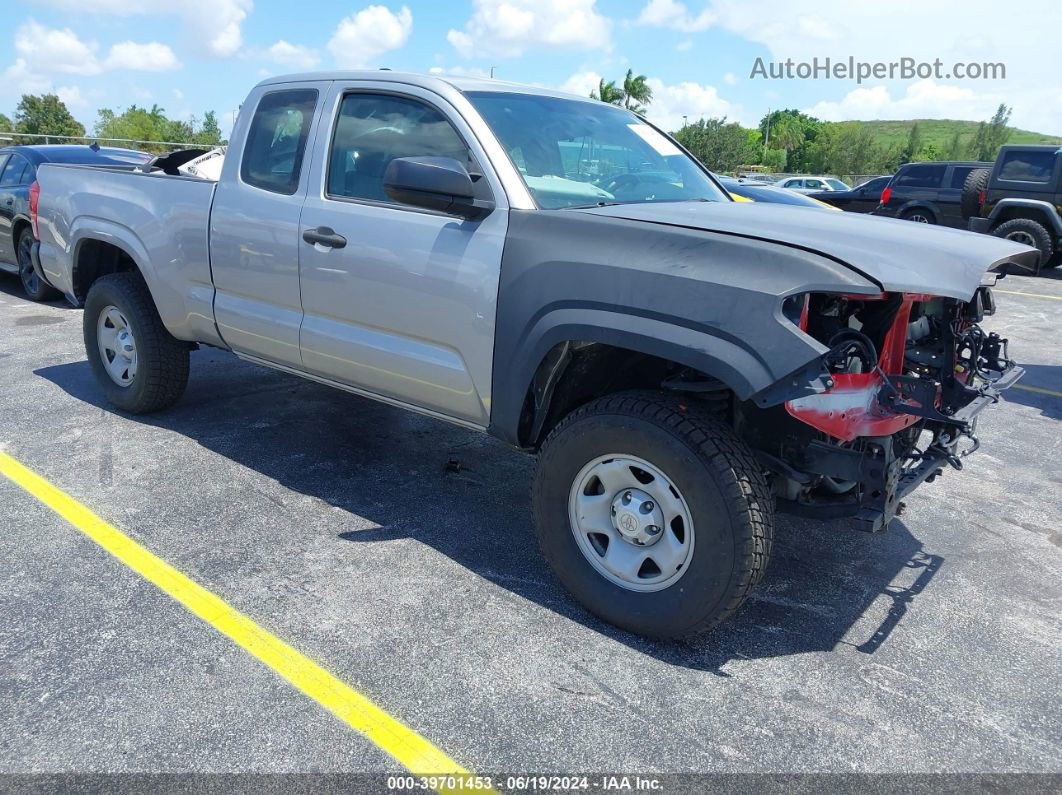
[[698, 55]]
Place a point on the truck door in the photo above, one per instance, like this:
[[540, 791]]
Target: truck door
[[404, 310], [254, 224]]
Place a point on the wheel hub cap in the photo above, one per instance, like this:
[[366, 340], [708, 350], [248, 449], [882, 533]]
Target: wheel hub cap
[[631, 522], [637, 517], [117, 346]]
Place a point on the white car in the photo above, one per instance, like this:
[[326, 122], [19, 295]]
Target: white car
[[812, 184]]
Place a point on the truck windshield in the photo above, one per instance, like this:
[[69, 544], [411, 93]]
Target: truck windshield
[[583, 154]]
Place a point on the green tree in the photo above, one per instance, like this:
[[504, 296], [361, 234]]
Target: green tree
[[774, 159], [6, 125], [608, 92], [142, 124], [954, 149], [991, 135], [798, 132], [636, 92], [719, 145], [913, 146], [46, 115]]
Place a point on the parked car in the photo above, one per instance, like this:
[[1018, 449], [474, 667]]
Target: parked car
[[860, 199], [811, 184], [1020, 198], [18, 171], [678, 362], [927, 193], [758, 192]]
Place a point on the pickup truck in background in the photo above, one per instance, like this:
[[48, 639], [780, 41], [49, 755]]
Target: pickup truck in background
[[1019, 197], [557, 272]]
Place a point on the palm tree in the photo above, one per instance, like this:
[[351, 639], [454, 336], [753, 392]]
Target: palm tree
[[636, 92], [608, 92]]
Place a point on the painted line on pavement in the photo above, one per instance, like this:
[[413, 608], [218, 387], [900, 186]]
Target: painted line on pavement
[[406, 746]]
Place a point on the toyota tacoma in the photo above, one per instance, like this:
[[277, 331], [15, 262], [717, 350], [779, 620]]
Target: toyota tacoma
[[559, 273]]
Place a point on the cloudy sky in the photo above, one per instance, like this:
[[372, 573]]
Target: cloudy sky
[[189, 56]]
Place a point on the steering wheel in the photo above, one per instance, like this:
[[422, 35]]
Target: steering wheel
[[626, 181]]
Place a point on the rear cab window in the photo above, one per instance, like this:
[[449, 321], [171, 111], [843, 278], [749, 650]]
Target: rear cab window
[[276, 140], [959, 175]]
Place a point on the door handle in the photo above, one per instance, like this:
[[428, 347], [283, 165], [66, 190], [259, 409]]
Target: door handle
[[326, 236]]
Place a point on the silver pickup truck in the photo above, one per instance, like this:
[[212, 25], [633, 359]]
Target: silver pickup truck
[[559, 273]]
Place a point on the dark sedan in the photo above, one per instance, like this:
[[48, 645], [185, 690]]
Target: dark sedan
[[860, 199], [18, 173]]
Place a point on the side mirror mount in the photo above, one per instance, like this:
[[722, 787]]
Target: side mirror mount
[[434, 183]]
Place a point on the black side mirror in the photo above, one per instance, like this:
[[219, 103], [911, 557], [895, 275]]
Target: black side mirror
[[435, 183]]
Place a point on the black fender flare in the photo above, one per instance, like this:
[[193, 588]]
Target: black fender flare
[[737, 367]]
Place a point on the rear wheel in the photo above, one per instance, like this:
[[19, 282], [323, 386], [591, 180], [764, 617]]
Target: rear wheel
[[970, 198], [34, 286], [919, 216], [1029, 233], [139, 365], [655, 518]]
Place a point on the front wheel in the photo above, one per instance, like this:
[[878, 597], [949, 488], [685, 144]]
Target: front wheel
[[138, 364], [656, 518]]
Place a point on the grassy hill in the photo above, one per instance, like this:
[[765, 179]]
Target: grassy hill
[[940, 131]]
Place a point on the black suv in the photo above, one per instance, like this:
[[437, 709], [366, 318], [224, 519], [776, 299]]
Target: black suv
[[928, 192], [1019, 197], [18, 172]]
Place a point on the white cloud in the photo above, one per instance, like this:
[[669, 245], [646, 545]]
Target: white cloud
[[215, 24], [675, 15], [509, 27], [730, 79], [44, 52], [71, 97], [673, 101], [364, 36], [684, 46], [804, 29], [294, 55], [581, 83], [150, 57], [924, 99], [54, 50]]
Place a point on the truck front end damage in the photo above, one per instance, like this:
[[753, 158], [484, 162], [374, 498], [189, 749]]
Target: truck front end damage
[[890, 405]]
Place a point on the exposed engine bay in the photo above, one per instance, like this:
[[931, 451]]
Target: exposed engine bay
[[895, 401]]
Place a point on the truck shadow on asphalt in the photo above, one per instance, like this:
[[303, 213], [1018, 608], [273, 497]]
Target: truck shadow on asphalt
[[466, 495], [1044, 376]]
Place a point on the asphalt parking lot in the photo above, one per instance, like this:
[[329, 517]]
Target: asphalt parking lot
[[335, 523]]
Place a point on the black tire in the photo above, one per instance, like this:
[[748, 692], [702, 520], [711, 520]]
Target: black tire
[[1029, 232], [916, 214], [34, 286], [970, 198], [730, 502], [162, 360]]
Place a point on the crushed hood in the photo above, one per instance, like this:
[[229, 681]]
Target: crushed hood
[[901, 256]]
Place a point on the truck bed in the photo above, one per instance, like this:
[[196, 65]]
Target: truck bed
[[161, 221]]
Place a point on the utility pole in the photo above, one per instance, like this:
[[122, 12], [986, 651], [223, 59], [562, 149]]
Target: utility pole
[[492, 72], [684, 122], [767, 132]]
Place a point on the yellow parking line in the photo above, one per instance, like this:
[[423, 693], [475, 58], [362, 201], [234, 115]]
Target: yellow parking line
[[402, 743], [1030, 295], [1038, 390]]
